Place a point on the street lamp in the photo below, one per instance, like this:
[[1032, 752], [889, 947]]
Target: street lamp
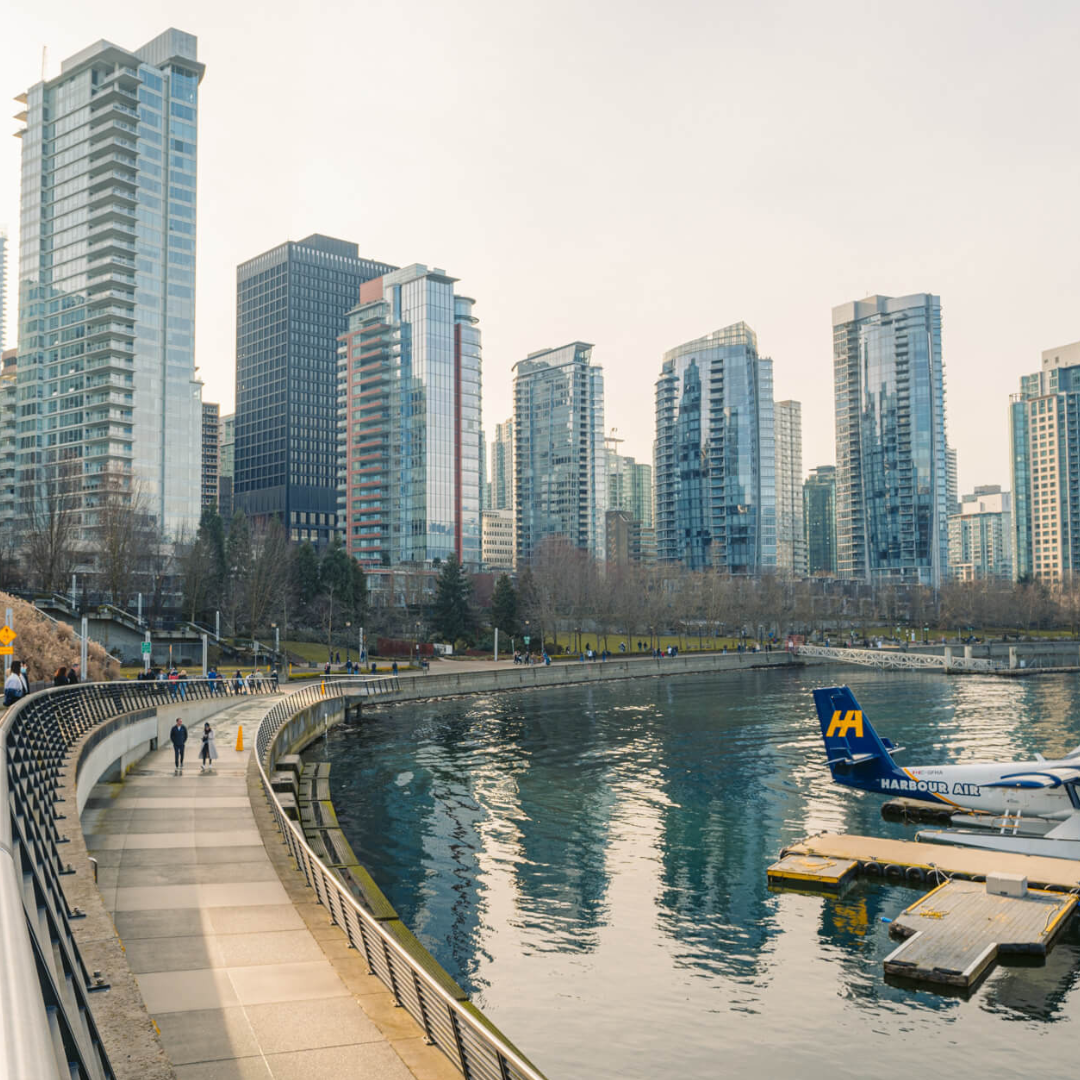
[[277, 643], [348, 645], [418, 644], [527, 639]]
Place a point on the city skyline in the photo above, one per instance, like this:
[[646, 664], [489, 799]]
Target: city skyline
[[790, 217]]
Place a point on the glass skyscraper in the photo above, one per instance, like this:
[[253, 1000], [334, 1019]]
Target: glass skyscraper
[[715, 458], [292, 303], [559, 453], [409, 454], [107, 392], [891, 473], [1045, 443], [819, 516], [790, 531]]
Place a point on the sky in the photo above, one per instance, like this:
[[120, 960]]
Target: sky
[[637, 175]]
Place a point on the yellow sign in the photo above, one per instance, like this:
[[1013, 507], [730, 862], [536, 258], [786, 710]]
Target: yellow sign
[[7, 650], [852, 722], [7, 635]]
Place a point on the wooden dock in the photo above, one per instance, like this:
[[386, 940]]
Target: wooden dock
[[812, 873], [957, 931], [915, 863]]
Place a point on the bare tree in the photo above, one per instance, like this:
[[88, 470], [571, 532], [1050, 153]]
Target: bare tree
[[122, 526], [51, 527], [269, 572]]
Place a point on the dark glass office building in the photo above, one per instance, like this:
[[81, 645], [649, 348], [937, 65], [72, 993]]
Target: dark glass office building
[[291, 305]]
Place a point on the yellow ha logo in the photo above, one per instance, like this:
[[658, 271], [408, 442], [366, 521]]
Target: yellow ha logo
[[852, 722]]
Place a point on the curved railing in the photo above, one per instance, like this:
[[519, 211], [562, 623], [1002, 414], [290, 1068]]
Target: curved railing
[[47, 1029], [457, 1028]]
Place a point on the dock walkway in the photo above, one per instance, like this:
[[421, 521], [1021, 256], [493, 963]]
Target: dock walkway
[[878, 855], [240, 969]]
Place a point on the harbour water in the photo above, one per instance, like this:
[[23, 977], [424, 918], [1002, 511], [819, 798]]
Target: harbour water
[[589, 863]]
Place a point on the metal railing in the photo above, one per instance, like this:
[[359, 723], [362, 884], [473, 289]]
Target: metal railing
[[458, 1030], [911, 661], [47, 1029]]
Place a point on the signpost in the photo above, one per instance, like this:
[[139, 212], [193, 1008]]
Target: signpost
[[147, 648], [7, 636]]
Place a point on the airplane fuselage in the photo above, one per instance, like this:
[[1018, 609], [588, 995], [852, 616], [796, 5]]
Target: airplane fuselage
[[967, 787]]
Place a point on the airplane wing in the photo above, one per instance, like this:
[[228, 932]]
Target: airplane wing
[[1052, 777], [1069, 829]]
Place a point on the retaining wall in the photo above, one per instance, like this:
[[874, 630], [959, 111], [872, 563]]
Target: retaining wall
[[572, 673]]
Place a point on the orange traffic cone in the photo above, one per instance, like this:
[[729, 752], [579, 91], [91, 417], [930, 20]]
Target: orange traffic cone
[[240, 738]]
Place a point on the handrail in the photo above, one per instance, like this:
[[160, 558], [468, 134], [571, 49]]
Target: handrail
[[460, 1032], [47, 1029]]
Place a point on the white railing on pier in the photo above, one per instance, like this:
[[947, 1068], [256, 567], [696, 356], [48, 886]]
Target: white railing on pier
[[900, 661]]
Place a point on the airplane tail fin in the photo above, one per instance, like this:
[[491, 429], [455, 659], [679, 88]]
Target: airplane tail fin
[[856, 754]]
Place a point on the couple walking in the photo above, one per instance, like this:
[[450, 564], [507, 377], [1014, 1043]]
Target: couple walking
[[207, 753]]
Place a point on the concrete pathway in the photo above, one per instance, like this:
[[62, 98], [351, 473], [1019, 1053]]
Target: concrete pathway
[[239, 981]]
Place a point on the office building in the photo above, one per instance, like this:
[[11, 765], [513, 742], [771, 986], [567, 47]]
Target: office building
[[790, 527], [819, 521], [502, 466], [980, 536], [226, 466], [559, 456], [497, 539], [629, 484], [211, 454], [106, 372], [891, 481], [409, 451], [714, 455], [292, 303], [1044, 434], [628, 541]]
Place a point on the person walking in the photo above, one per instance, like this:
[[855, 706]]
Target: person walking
[[208, 754], [74, 675], [60, 678], [178, 736]]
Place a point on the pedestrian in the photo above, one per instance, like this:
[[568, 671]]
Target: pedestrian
[[178, 736], [326, 670], [60, 678], [74, 675], [274, 676], [213, 678], [394, 667], [181, 682], [13, 685], [208, 754]]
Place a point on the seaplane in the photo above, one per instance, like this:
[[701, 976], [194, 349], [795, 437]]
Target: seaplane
[[1027, 807]]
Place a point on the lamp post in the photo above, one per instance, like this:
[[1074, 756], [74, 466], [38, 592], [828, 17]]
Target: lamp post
[[418, 644], [348, 644], [277, 643], [528, 646]]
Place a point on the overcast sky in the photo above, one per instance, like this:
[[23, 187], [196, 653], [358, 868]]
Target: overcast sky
[[637, 174]]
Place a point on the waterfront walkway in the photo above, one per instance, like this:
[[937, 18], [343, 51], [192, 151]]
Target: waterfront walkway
[[238, 966]]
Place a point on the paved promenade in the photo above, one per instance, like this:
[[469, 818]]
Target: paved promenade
[[238, 966]]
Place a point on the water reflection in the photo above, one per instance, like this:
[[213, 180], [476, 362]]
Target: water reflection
[[572, 854]]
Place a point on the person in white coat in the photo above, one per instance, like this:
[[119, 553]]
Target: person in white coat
[[208, 753]]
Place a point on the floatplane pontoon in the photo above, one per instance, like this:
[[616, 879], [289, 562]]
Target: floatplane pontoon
[[1027, 807]]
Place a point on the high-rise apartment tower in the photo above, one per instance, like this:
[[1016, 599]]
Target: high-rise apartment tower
[[715, 457], [790, 530], [891, 478], [106, 377], [561, 463], [819, 520]]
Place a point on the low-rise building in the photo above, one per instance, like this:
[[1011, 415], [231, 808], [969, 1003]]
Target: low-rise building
[[980, 536], [497, 539]]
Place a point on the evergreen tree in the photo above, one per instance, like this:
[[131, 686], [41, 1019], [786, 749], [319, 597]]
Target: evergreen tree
[[307, 573], [453, 614], [504, 613]]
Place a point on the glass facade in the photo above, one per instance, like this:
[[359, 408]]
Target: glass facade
[[226, 465], [410, 451], [559, 453], [790, 530], [292, 303], [891, 476], [1044, 430], [502, 467], [211, 453], [715, 456], [819, 517], [980, 536], [106, 382], [3, 288]]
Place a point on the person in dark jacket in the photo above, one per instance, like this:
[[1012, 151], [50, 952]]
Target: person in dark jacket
[[60, 678], [73, 675], [178, 736]]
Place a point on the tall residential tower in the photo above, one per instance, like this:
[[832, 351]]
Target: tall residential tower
[[790, 531], [891, 473], [559, 454], [409, 448], [715, 457], [106, 377]]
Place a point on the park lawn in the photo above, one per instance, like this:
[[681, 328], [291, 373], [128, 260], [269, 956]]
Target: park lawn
[[690, 643]]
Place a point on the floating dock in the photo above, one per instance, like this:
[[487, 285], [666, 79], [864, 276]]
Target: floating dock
[[907, 860], [812, 873], [957, 931]]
